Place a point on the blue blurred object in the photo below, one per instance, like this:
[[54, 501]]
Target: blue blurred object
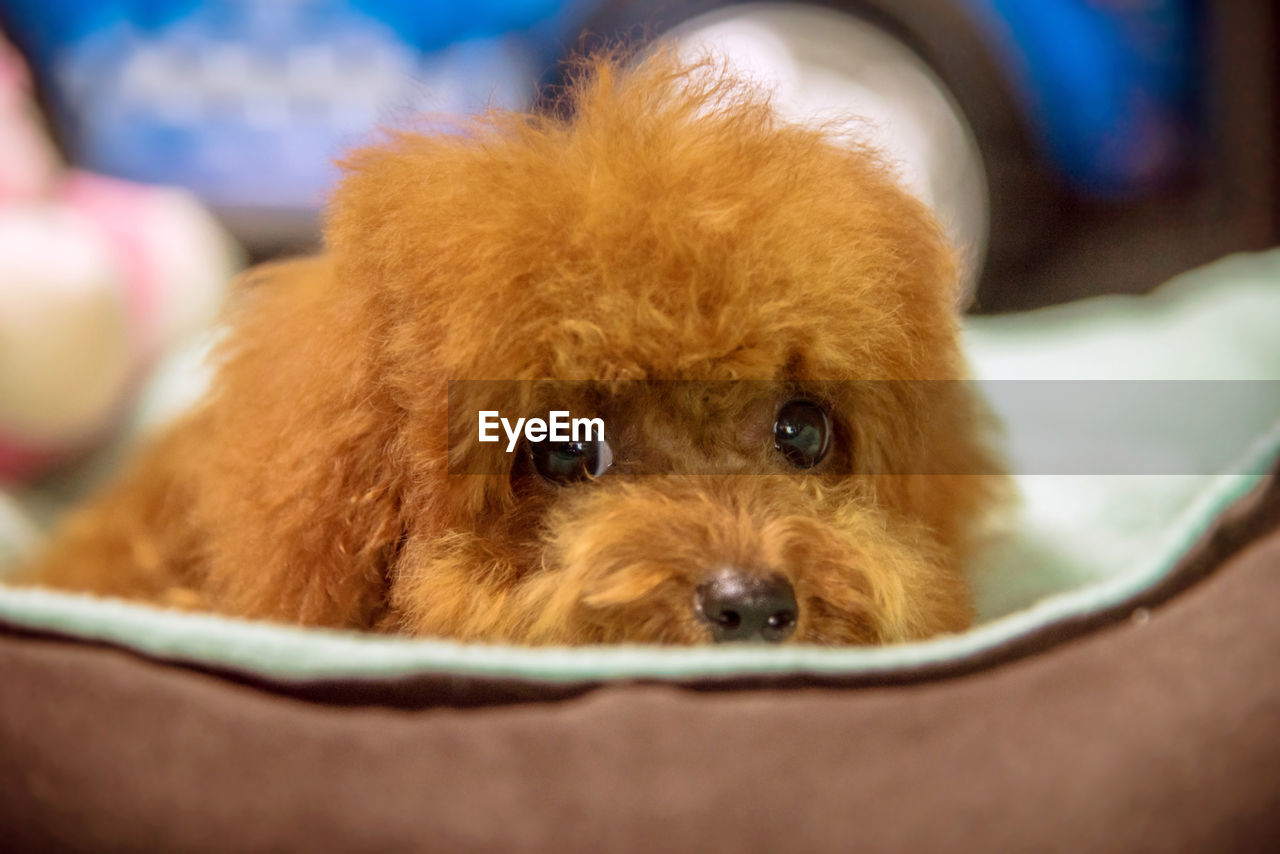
[[1108, 87], [248, 102]]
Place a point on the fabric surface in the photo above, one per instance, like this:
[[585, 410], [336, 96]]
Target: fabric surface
[[1159, 734]]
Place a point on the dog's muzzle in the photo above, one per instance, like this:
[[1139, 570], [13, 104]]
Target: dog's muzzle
[[743, 607]]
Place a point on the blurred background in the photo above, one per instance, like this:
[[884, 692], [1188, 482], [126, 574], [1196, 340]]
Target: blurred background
[[149, 148]]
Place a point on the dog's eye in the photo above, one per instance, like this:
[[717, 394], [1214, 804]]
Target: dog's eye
[[802, 433], [565, 462]]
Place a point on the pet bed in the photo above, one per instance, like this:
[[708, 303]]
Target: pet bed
[[122, 726]]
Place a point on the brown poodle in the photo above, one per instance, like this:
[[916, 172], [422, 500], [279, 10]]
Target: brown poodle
[[757, 315]]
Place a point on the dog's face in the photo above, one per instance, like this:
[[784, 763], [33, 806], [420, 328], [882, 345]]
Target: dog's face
[[758, 317]]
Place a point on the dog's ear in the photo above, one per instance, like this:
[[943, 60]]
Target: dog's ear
[[297, 491]]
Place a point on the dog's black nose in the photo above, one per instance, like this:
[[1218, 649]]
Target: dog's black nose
[[741, 607]]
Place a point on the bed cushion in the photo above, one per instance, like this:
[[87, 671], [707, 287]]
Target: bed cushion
[[128, 728], [1156, 734]]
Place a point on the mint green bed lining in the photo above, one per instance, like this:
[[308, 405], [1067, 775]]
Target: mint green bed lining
[[1083, 543]]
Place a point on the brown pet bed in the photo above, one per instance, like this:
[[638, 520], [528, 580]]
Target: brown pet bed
[[1124, 698]]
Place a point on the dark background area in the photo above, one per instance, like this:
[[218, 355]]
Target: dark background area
[[1050, 243], [1226, 203]]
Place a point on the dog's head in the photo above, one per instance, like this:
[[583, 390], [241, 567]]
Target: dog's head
[[760, 318]]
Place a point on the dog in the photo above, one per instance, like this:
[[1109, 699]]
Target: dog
[[758, 316]]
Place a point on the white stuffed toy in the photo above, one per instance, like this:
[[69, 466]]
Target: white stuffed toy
[[97, 277]]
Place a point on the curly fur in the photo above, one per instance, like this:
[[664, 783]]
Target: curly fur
[[660, 224]]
